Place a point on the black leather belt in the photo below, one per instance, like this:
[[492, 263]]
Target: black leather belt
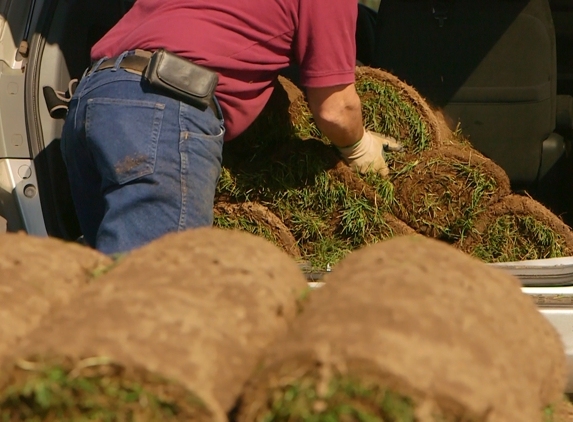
[[135, 63]]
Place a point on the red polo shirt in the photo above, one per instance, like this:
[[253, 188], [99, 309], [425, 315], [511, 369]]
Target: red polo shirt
[[247, 42]]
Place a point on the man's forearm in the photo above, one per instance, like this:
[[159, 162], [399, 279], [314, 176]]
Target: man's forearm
[[337, 113]]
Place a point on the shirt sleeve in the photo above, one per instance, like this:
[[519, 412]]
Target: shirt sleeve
[[325, 44]]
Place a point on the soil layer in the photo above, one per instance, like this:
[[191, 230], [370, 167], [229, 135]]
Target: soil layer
[[259, 220], [37, 276]]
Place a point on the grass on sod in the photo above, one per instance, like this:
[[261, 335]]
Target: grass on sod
[[347, 399], [56, 393], [326, 217], [386, 110], [447, 204], [274, 166], [515, 238]]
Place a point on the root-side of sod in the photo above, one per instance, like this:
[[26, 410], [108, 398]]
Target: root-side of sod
[[257, 219], [443, 193]]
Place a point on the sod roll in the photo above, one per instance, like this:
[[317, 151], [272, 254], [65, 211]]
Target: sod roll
[[411, 329], [439, 186], [563, 411], [329, 209], [392, 107], [257, 219], [171, 333], [389, 106], [285, 116], [445, 190], [38, 275], [518, 228]]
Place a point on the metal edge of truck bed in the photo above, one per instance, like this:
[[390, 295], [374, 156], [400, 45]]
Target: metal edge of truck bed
[[549, 282]]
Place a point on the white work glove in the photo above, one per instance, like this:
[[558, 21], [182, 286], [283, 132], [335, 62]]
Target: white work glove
[[368, 153]]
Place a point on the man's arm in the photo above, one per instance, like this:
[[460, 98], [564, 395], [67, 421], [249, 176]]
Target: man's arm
[[337, 113]]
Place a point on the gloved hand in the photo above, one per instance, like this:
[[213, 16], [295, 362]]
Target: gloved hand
[[368, 153]]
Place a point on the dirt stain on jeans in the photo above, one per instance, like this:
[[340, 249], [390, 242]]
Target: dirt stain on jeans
[[130, 164]]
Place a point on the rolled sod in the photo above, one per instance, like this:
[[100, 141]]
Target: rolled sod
[[445, 190], [285, 116], [389, 106], [392, 107], [257, 219], [411, 329], [283, 163], [329, 209], [518, 228], [171, 333], [439, 186], [37, 276]]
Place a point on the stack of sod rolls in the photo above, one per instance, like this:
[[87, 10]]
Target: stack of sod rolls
[[319, 211], [407, 330], [301, 181], [37, 276], [171, 333]]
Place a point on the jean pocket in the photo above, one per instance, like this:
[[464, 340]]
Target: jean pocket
[[122, 136]]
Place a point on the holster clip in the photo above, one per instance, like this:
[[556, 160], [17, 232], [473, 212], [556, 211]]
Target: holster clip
[[58, 102]]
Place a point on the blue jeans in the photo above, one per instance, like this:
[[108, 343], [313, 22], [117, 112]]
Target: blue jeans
[[141, 164]]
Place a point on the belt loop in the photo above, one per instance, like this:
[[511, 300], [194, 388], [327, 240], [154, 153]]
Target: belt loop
[[119, 59], [218, 110], [93, 68]]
